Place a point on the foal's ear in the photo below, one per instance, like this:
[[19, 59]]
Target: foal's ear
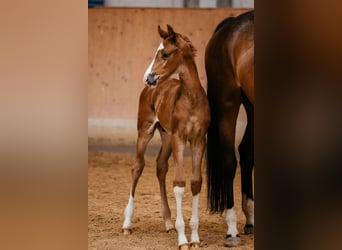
[[172, 33], [163, 34]]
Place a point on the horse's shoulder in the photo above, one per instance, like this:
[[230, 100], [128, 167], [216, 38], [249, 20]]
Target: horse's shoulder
[[147, 91]]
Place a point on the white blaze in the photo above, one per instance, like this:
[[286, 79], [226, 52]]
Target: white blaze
[[149, 69]]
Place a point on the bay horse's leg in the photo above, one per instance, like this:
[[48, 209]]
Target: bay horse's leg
[[162, 168], [144, 137], [197, 148], [178, 146], [227, 129], [246, 150]]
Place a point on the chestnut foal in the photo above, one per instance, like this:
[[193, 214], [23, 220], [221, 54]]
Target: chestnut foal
[[179, 109]]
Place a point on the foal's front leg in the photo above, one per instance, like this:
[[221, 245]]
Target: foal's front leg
[[162, 169], [144, 137]]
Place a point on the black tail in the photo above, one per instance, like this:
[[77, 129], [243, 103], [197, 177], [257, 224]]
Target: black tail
[[219, 188]]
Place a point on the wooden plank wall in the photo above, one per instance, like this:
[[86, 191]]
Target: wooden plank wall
[[122, 42]]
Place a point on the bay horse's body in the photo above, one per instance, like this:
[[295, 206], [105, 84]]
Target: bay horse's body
[[179, 110], [229, 62]]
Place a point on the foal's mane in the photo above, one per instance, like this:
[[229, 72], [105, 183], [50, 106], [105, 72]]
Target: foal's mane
[[192, 48]]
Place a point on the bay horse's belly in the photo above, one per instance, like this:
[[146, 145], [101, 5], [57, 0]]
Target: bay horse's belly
[[245, 73]]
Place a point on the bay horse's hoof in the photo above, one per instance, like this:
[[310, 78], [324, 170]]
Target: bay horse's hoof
[[195, 245], [184, 247], [232, 241], [126, 231], [249, 229]]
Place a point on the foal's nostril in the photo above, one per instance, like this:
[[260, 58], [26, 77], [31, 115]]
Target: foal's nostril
[[152, 79], [152, 75]]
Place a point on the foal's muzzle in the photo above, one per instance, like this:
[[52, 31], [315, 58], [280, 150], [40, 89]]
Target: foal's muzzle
[[152, 79]]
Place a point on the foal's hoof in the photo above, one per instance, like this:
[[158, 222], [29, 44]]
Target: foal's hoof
[[170, 230], [126, 231], [169, 226], [232, 241], [249, 229], [195, 245], [184, 247]]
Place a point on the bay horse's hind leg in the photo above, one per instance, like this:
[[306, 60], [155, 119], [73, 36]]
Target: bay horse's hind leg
[[162, 169], [144, 136], [227, 129], [246, 150]]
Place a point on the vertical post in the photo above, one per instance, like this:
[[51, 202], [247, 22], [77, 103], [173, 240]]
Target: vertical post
[[191, 3], [224, 3]]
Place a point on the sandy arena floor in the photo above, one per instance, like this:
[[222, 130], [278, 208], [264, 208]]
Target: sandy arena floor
[[109, 183]]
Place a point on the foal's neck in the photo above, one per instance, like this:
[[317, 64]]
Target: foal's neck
[[189, 78]]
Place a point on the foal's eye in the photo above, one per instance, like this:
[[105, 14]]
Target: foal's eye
[[166, 55]]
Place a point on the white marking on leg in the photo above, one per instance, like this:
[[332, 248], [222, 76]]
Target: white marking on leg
[[180, 225], [248, 209], [129, 212], [194, 222], [149, 69], [231, 222]]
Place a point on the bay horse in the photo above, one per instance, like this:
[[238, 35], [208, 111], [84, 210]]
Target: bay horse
[[179, 110], [229, 64]]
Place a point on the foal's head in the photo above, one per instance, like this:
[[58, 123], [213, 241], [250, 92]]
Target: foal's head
[[170, 56]]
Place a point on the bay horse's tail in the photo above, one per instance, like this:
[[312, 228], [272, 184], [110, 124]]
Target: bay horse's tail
[[221, 158], [217, 172]]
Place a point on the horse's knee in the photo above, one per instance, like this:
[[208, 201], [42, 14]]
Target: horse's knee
[[196, 186], [138, 168], [162, 169]]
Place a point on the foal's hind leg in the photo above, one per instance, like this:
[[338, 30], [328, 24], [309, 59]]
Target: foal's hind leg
[[197, 149], [246, 150], [162, 168], [144, 137], [178, 146]]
